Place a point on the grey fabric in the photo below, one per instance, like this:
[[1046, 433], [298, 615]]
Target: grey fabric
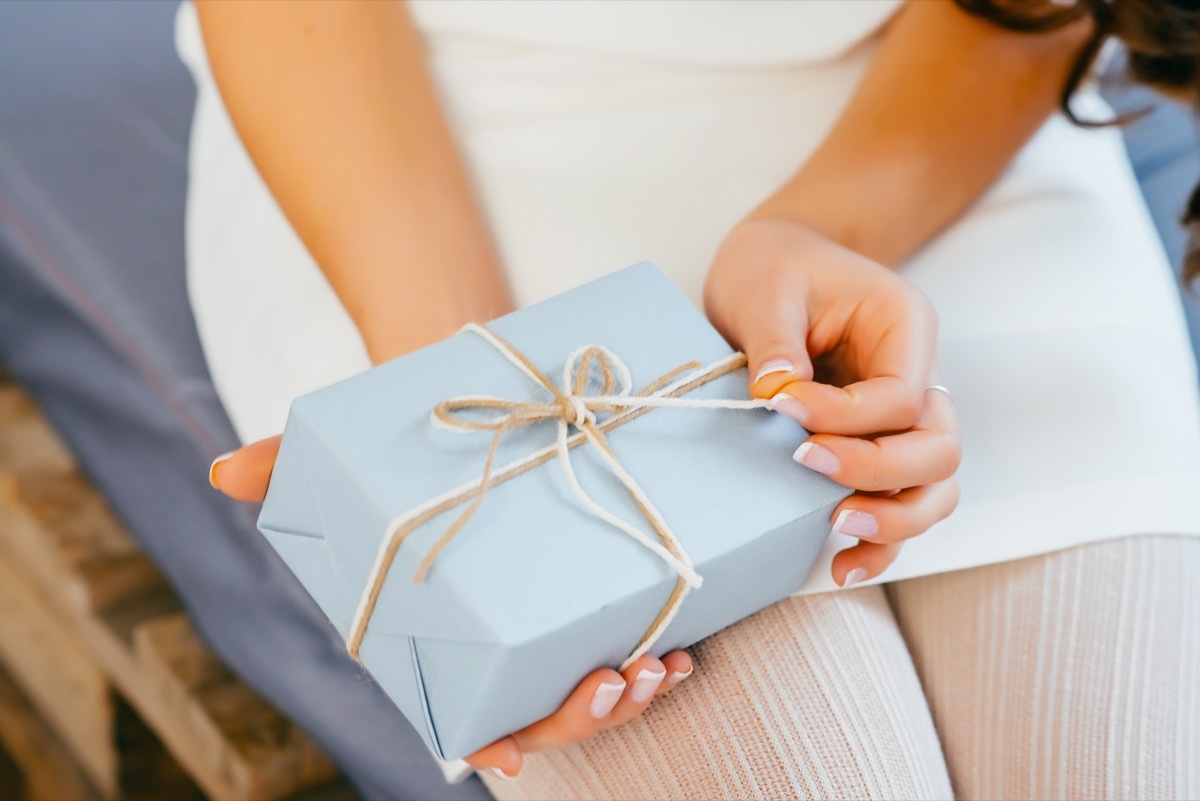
[[94, 115]]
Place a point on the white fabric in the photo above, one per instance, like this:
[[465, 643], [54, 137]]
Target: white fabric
[[646, 133], [739, 33]]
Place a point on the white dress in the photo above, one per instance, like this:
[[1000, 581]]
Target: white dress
[[601, 134]]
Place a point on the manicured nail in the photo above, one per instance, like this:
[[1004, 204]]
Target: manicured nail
[[606, 698], [854, 576], [212, 468], [856, 523], [645, 684], [816, 457], [773, 366], [677, 677], [785, 404], [501, 775]]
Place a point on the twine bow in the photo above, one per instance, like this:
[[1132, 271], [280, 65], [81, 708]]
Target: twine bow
[[570, 407]]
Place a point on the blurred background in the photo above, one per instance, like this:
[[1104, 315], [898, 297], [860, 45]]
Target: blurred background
[[143, 621]]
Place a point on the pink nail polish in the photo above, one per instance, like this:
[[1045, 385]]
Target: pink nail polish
[[773, 366], [856, 523], [677, 677], [785, 404], [499, 774], [212, 468], [645, 684], [605, 699], [816, 457], [854, 576]]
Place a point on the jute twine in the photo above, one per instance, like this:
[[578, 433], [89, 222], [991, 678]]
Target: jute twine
[[570, 407]]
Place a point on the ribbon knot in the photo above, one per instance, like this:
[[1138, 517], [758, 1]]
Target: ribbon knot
[[570, 407], [571, 403], [575, 411]]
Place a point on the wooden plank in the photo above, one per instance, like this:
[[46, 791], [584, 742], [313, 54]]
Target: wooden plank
[[57, 531], [148, 770], [335, 791], [58, 677], [11, 782], [27, 442], [78, 548], [48, 771], [201, 733], [60, 530], [267, 755]]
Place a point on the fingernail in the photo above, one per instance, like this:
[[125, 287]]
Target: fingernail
[[856, 523], [212, 468], [645, 684], [854, 576], [501, 775], [816, 457], [677, 677], [773, 366], [785, 404], [606, 698]]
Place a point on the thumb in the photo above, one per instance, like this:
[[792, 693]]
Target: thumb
[[245, 473], [774, 340], [502, 759]]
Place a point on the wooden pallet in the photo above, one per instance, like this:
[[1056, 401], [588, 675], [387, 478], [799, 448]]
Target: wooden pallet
[[44, 767], [91, 635], [40, 765]]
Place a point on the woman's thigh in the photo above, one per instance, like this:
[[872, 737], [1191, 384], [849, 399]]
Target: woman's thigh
[[1071, 675], [815, 697]]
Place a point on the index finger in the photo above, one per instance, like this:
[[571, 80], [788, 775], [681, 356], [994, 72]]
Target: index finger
[[896, 368], [245, 473]]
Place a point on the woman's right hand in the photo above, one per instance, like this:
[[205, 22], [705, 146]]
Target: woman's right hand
[[604, 699], [848, 349]]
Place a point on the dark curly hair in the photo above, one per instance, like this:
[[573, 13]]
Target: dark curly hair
[[1163, 46]]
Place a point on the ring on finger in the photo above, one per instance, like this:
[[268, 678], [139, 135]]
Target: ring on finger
[[941, 389]]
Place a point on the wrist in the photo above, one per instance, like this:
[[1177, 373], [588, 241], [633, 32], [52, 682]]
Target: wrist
[[420, 319], [820, 212], [387, 339], [766, 240]]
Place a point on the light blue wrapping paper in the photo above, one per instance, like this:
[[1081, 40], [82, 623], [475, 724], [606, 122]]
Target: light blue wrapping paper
[[536, 591]]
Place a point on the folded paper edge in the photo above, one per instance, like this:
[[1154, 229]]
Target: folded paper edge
[[293, 450], [431, 729]]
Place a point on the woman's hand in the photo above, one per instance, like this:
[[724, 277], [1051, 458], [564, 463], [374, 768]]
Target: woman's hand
[[605, 698], [847, 348]]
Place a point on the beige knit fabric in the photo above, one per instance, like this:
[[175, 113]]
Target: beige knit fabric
[[815, 697], [1074, 675]]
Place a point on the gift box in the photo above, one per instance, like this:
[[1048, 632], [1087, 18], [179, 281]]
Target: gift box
[[560, 568]]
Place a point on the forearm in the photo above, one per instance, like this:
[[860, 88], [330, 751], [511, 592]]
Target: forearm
[[335, 106], [947, 102]]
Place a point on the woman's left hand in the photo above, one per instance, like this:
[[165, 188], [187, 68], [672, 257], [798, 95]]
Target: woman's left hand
[[848, 349]]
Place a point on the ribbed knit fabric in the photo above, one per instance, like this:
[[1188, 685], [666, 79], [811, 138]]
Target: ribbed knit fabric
[[815, 697], [1072, 675]]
